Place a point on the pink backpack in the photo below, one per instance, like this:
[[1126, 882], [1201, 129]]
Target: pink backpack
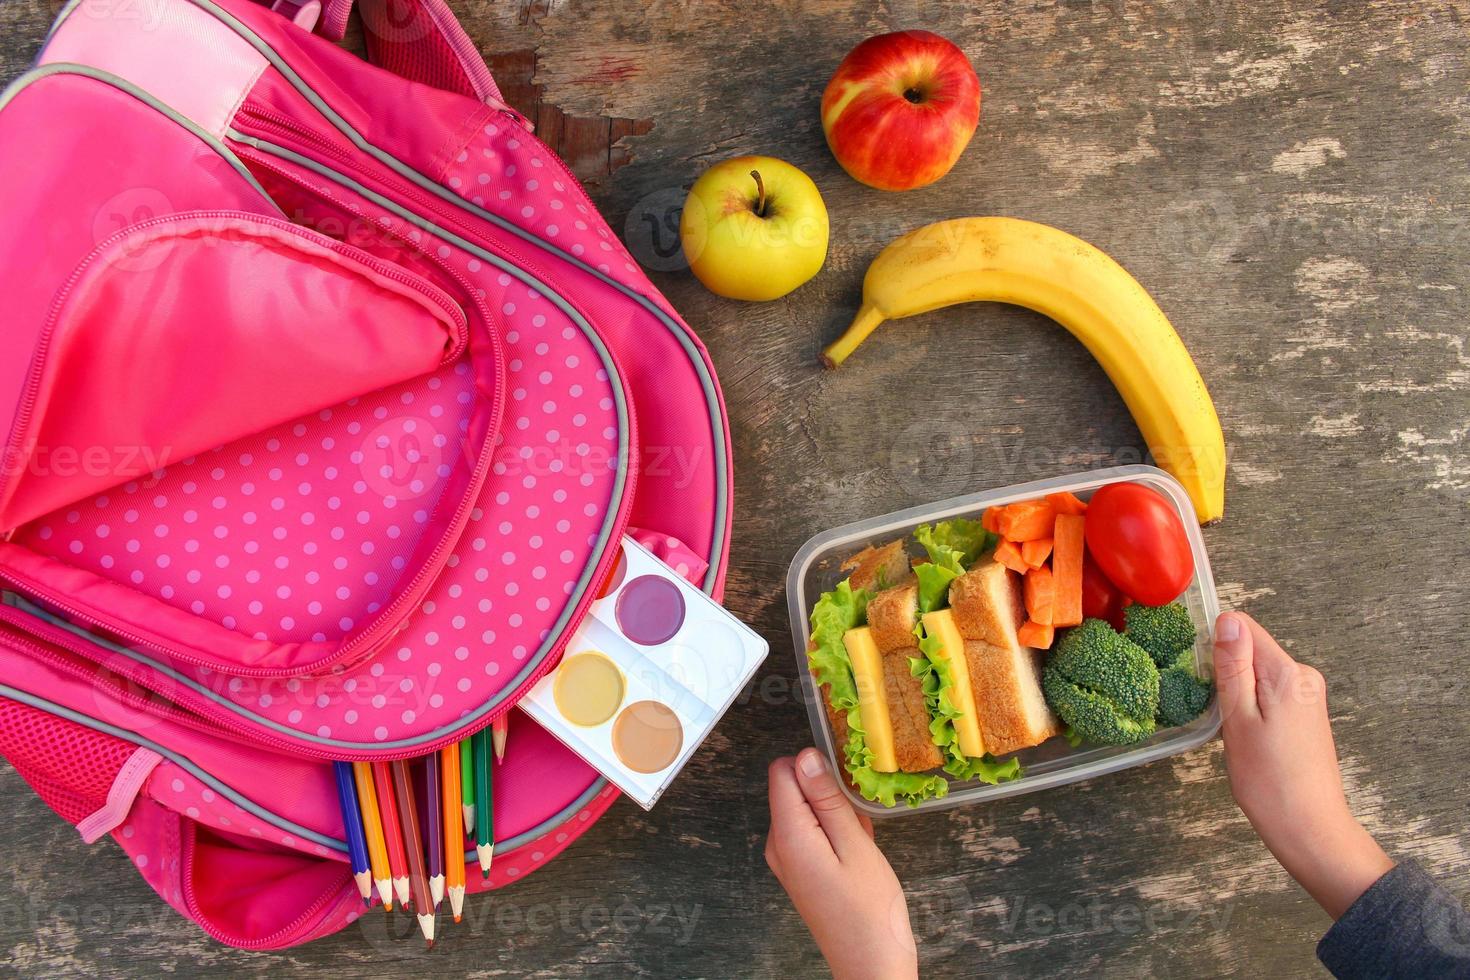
[[330, 399]]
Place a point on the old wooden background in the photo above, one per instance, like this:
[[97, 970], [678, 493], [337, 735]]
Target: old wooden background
[[1288, 178]]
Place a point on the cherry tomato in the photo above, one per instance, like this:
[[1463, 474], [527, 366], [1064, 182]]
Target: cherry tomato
[[1101, 599], [1138, 542]]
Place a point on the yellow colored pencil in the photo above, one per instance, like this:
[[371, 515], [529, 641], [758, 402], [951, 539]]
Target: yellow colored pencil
[[372, 825], [453, 829]]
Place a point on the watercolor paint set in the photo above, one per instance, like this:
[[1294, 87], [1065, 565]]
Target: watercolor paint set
[[646, 677]]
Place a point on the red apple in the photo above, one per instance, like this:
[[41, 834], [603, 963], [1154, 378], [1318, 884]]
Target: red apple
[[900, 109]]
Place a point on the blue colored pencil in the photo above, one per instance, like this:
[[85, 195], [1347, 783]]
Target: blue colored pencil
[[357, 851]]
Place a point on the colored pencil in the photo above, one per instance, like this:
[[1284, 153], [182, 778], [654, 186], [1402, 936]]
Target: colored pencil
[[434, 828], [357, 854], [372, 825], [453, 830], [484, 802], [408, 817], [499, 733], [392, 831], [467, 785]]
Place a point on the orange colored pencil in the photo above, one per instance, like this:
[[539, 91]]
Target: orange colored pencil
[[408, 817], [372, 825], [453, 828], [392, 830]]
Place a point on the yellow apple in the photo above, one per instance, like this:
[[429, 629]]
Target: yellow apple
[[754, 228]]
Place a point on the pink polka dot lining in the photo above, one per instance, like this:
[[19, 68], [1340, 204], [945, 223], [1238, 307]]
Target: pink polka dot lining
[[300, 532]]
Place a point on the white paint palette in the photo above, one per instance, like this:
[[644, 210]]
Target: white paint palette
[[644, 679]]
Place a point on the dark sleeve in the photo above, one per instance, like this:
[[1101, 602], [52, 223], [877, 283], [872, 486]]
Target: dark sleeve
[[1404, 925]]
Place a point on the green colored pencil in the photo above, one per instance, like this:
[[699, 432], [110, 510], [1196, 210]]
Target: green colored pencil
[[467, 784], [484, 794]]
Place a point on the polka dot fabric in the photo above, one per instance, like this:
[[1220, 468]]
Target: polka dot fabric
[[299, 533], [296, 534], [514, 176]]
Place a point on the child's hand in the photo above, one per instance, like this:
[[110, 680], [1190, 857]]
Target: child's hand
[[822, 852], [1283, 766]]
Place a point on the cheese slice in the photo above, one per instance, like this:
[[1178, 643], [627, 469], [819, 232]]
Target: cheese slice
[[941, 625], [867, 670]]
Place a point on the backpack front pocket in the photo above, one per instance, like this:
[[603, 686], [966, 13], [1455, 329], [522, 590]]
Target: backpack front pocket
[[191, 330]]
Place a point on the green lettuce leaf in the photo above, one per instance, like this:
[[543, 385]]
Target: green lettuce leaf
[[886, 787], [967, 540], [953, 546], [934, 582], [937, 679], [835, 613]]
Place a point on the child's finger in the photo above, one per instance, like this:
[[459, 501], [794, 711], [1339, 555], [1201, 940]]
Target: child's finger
[[793, 824], [1276, 671], [1235, 672], [838, 819]]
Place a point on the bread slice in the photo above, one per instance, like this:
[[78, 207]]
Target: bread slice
[[1004, 674], [878, 568], [892, 614], [837, 719], [987, 604], [1007, 685], [912, 743]]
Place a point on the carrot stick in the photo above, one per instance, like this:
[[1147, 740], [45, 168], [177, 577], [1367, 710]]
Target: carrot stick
[[1040, 596], [1008, 553], [1066, 564], [1035, 553], [1066, 503], [1026, 521], [1036, 636]]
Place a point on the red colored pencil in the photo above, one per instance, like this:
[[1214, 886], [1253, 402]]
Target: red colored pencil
[[499, 734], [408, 817], [392, 831]]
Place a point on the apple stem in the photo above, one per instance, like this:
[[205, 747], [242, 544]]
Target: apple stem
[[760, 194]]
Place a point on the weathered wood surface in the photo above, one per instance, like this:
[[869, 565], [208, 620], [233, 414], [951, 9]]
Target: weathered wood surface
[[1289, 179]]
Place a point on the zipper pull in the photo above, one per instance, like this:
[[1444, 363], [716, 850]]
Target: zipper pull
[[519, 119], [303, 13]]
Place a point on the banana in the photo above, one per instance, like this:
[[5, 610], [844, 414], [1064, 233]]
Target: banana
[[1006, 260]]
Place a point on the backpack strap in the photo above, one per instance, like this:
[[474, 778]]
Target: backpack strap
[[419, 40]]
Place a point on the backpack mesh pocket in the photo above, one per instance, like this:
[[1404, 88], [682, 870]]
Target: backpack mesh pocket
[[70, 766]]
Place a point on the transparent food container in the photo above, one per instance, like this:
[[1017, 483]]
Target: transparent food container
[[817, 569]]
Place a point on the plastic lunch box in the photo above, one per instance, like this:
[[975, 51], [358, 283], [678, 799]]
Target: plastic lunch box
[[816, 569]]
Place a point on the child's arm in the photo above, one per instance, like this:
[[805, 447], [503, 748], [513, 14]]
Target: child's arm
[[822, 852], [1284, 774]]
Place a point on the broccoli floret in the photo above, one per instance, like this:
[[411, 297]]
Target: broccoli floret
[[1105, 687], [1182, 694], [1164, 631]]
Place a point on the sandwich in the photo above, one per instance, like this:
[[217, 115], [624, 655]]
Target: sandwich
[[986, 612], [921, 668]]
